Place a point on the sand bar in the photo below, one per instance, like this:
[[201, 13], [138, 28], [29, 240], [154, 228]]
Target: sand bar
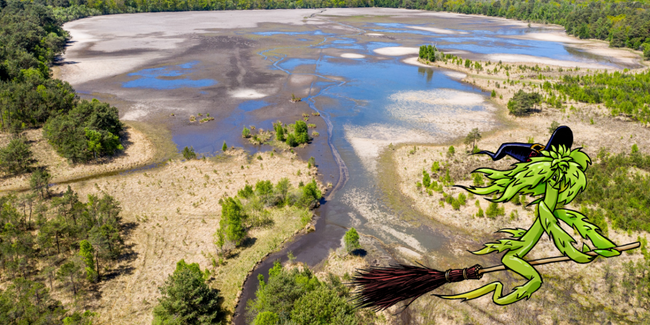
[[397, 50], [352, 56]]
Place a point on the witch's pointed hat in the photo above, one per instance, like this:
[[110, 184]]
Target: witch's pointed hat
[[523, 151]]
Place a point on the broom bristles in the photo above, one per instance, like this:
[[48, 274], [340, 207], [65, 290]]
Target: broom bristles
[[383, 287]]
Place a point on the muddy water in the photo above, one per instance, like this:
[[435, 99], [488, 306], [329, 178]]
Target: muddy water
[[348, 68]]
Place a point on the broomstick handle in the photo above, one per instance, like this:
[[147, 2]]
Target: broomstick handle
[[556, 259]]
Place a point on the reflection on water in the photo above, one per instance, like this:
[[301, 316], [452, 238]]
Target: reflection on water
[[163, 78]]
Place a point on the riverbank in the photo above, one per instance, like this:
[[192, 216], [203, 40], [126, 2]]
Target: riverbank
[[173, 212]]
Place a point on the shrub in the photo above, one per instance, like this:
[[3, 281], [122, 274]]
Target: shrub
[[291, 140], [188, 153], [522, 102], [351, 240], [426, 179], [224, 147], [16, 157], [246, 133], [451, 151]]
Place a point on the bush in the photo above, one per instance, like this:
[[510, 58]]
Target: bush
[[16, 157], [351, 240], [224, 147], [522, 102], [188, 153], [291, 140], [187, 298], [246, 133]]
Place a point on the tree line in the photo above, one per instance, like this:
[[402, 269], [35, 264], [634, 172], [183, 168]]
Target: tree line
[[31, 37], [622, 24]]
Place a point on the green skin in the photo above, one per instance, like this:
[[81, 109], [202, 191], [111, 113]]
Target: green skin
[[558, 175]]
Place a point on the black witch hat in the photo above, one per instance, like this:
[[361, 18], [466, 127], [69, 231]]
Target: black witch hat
[[523, 151]]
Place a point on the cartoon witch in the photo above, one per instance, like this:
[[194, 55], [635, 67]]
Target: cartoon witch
[[554, 175]]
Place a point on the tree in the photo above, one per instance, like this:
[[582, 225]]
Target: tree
[[300, 132], [224, 147], [187, 298], [69, 273], [188, 153], [323, 306], [16, 157], [231, 226], [246, 133], [291, 140], [29, 302], [40, 181], [522, 102], [266, 318], [351, 240], [646, 51], [87, 253], [472, 138]]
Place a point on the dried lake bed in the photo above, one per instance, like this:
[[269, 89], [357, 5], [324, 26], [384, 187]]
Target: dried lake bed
[[349, 65]]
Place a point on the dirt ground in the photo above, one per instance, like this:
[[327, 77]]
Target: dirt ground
[[171, 213]]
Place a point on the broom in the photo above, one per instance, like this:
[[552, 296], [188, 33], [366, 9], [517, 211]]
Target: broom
[[382, 287]]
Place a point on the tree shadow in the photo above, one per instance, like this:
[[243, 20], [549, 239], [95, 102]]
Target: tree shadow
[[248, 242], [359, 252], [120, 270], [128, 228]]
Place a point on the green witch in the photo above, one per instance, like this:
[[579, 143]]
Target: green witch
[[554, 175]]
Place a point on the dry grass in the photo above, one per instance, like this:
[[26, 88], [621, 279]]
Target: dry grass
[[138, 151], [173, 212]]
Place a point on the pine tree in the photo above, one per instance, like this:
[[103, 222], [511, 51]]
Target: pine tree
[[87, 252], [351, 240], [225, 146]]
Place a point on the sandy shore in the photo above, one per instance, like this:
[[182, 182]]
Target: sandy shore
[[138, 151], [175, 212]]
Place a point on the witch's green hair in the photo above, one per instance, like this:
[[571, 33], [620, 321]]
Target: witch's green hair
[[559, 167]]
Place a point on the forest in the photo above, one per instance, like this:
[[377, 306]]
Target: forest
[[31, 38], [622, 24]]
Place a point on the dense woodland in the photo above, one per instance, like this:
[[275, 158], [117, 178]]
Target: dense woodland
[[31, 38]]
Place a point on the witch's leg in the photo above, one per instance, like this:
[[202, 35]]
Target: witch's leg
[[578, 221], [513, 260]]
